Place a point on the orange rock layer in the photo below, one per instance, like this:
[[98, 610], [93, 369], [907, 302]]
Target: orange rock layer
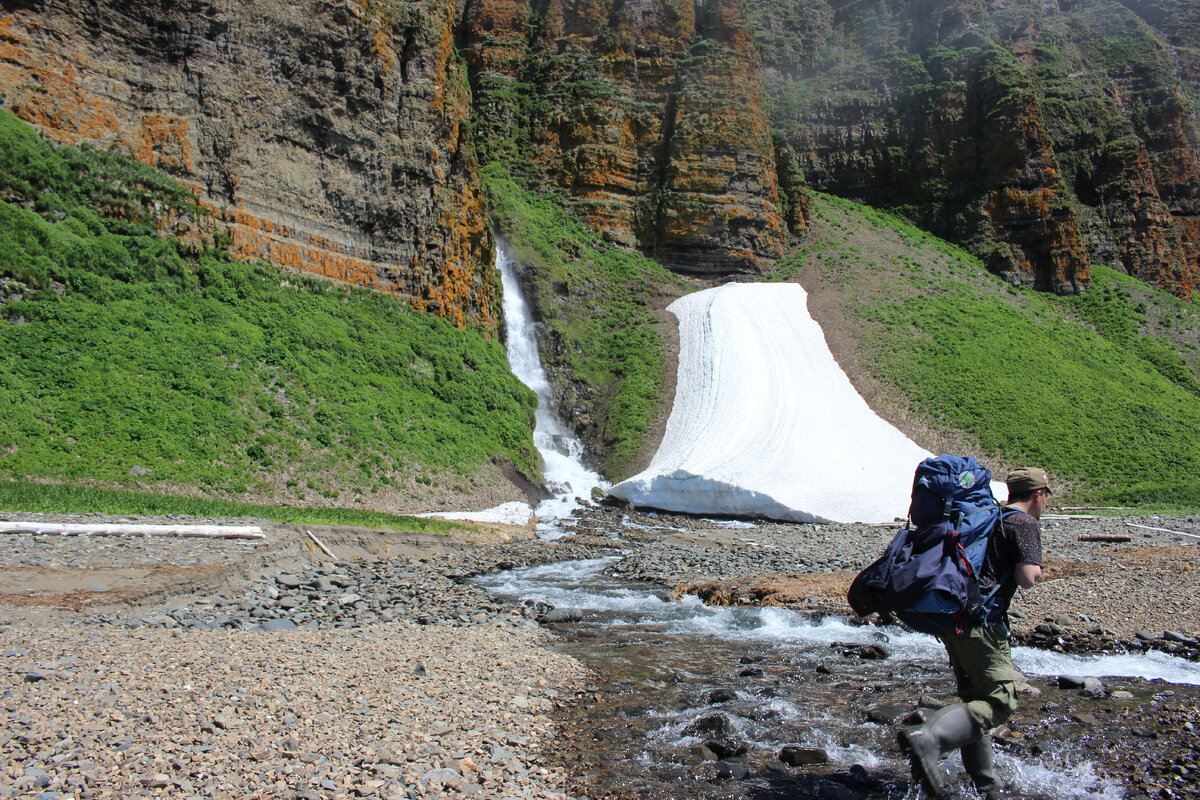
[[260, 144], [657, 132]]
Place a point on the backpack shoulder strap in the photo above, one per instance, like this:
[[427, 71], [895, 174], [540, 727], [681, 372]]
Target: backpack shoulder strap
[[1005, 512]]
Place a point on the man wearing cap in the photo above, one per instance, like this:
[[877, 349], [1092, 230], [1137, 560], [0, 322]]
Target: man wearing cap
[[980, 656]]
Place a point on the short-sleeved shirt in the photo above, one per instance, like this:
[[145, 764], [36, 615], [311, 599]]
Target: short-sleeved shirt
[[1019, 541]]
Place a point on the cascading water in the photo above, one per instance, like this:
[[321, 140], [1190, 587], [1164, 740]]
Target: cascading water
[[568, 480]]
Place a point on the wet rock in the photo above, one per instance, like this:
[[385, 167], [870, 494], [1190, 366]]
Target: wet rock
[[835, 790], [885, 714], [727, 748], [721, 696], [866, 652], [930, 702], [1177, 636], [727, 770], [561, 615], [750, 672], [710, 726], [796, 755]]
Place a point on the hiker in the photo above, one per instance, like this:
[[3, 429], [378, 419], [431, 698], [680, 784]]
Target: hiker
[[980, 655]]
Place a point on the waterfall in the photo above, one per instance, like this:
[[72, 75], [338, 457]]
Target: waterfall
[[567, 478]]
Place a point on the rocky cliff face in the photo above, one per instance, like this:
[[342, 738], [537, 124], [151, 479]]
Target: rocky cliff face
[[330, 137], [647, 114], [340, 136], [1045, 136]]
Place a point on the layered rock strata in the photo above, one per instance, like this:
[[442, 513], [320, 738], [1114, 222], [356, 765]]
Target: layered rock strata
[[328, 137], [1044, 136], [648, 114]]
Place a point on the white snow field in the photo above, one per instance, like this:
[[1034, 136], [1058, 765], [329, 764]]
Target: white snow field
[[766, 424]]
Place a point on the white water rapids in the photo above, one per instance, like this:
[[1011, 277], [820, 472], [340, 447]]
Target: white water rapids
[[642, 631]]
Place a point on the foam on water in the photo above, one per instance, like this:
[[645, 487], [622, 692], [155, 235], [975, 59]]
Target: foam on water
[[1059, 780], [573, 584], [1152, 665]]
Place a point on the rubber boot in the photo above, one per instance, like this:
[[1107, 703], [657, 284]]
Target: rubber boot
[[977, 760], [946, 731]]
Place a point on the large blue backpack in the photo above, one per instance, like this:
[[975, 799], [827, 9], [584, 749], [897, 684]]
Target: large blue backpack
[[929, 575]]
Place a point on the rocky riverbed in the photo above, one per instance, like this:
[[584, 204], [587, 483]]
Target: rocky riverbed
[[220, 668]]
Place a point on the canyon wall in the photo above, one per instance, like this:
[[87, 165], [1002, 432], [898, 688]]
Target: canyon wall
[[329, 137], [1045, 136], [647, 114], [341, 137]]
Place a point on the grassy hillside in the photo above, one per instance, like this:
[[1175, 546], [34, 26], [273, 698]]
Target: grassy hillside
[[1101, 389], [129, 357]]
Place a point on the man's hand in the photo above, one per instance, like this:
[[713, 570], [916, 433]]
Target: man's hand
[[1027, 575]]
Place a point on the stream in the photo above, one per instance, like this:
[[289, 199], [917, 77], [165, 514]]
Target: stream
[[696, 701], [699, 701]]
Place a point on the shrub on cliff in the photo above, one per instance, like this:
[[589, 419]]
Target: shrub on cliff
[[123, 350]]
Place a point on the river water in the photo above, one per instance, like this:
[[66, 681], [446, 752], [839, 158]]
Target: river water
[[696, 701], [664, 665]]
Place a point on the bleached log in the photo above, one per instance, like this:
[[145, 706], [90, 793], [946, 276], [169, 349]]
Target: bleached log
[[1070, 516], [132, 529], [321, 545], [1162, 530]]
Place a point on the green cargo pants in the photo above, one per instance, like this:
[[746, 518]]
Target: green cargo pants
[[983, 668]]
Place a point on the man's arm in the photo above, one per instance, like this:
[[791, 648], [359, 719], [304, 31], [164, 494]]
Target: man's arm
[[1027, 575]]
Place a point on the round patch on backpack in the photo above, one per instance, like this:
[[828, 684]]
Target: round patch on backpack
[[966, 480]]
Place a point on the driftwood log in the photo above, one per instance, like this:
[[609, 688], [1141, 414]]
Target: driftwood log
[[130, 529], [321, 545], [1106, 537]]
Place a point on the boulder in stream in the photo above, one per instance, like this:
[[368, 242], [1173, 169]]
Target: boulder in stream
[[721, 696], [710, 726], [727, 747], [561, 615], [797, 755]]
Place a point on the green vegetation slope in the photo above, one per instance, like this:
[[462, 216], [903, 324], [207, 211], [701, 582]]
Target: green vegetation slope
[[129, 357], [1102, 389]]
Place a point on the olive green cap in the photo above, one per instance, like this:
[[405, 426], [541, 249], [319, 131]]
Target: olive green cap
[[1027, 479]]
